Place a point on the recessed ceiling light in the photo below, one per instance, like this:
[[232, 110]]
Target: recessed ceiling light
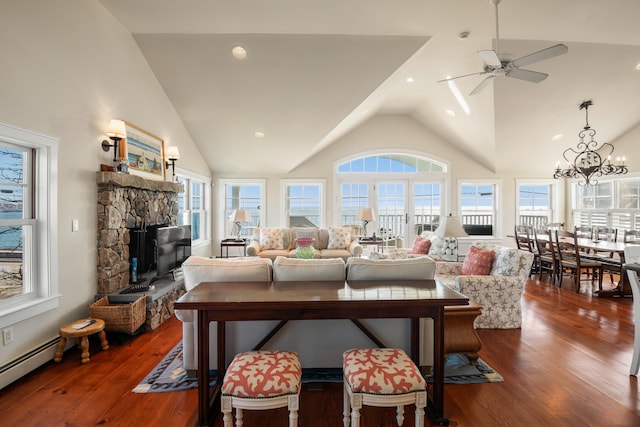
[[239, 52], [638, 66], [410, 80], [258, 134], [463, 35], [557, 137], [451, 113]]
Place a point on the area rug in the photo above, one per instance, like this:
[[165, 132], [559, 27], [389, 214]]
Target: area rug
[[169, 375]]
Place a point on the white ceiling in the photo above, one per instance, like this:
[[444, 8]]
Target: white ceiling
[[317, 69]]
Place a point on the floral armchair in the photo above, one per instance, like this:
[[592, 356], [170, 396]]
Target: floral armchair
[[499, 292]]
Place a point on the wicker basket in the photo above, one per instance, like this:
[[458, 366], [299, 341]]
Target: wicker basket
[[120, 317]]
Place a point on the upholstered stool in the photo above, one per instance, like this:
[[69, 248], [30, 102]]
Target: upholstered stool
[[382, 377], [81, 329], [262, 380]]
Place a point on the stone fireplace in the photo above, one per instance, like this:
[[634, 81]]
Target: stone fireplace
[[127, 202]]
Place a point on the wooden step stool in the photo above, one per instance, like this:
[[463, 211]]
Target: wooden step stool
[[68, 331]]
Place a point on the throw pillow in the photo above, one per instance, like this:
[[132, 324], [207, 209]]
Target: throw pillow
[[339, 237], [478, 262], [420, 246], [271, 238]]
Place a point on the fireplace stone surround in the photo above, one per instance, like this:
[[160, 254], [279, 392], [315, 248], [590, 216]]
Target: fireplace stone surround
[[126, 202]]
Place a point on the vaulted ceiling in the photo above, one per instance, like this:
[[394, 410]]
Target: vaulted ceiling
[[317, 69]]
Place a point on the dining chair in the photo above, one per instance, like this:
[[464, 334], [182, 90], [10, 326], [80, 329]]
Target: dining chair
[[583, 232], [553, 226], [572, 260], [632, 256], [610, 261], [631, 236], [547, 260], [524, 242]]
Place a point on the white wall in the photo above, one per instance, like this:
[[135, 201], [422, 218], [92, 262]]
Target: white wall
[[68, 67]]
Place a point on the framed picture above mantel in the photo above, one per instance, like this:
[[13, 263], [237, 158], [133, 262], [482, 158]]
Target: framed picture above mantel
[[144, 153]]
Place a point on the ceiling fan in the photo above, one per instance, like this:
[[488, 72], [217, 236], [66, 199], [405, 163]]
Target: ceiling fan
[[496, 67]]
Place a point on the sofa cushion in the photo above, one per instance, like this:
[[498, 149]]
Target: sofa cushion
[[420, 245], [272, 238], [293, 269], [478, 262], [250, 269], [421, 268], [339, 238]]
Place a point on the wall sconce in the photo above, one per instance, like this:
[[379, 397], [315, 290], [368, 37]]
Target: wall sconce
[[116, 131], [172, 154]]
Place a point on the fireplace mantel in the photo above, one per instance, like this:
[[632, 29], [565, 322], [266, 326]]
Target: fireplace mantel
[[133, 181]]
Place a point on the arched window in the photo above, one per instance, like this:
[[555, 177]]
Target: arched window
[[405, 191]]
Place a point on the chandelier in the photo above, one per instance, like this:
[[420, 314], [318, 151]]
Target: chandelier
[[589, 161]]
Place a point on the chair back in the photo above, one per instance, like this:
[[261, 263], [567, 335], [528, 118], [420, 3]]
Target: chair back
[[553, 226], [631, 236], [544, 242], [605, 234], [523, 238], [583, 231], [567, 246]]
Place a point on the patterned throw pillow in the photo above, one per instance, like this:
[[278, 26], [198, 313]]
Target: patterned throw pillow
[[339, 238], [271, 238], [478, 262], [420, 246]]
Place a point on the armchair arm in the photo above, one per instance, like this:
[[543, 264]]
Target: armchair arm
[[254, 248], [355, 248], [448, 268], [499, 296]]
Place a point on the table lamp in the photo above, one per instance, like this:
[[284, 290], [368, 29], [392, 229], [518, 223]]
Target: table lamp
[[238, 216], [365, 215], [451, 228]]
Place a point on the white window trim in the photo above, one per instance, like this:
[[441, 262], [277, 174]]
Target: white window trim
[[206, 203], [223, 182], [555, 197], [497, 229], [323, 202], [45, 275]]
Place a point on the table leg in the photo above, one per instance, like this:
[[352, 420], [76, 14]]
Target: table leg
[[435, 407], [203, 368]]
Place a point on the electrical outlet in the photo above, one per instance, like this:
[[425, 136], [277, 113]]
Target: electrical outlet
[[7, 336]]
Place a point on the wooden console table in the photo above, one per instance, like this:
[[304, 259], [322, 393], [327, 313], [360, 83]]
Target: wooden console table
[[233, 301]]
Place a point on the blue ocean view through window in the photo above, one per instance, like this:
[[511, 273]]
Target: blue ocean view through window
[[10, 237]]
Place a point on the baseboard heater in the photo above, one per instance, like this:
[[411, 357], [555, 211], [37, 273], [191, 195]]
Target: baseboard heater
[[22, 365]]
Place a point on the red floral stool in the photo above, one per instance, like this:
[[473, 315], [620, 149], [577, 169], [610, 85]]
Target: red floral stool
[[261, 380], [382, 377]]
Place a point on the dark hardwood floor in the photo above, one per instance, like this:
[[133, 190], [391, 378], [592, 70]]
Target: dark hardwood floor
[[567, 366]]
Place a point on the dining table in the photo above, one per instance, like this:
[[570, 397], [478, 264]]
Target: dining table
[[237, 301]]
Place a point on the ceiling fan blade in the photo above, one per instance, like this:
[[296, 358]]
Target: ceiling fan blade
[[547, 53], [482, 85], [490, 57], [459, 77], [530, 76]]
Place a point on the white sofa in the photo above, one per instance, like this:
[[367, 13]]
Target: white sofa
[[302, 336], [285, 243]]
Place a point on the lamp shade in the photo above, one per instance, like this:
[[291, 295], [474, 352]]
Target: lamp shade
[[366, 214], [240, 215], [173, 153], [451, 226], [116, 129]]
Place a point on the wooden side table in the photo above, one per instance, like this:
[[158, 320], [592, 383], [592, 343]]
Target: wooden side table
[[459, 334], [378, 242], [68, 331], [227, 243]]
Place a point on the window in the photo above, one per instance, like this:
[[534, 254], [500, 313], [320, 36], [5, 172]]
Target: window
[[536, 202], [479, 207], [193, 206], [243, 194], [303, 203], [28, 273], [613, 203], [353, 197]]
